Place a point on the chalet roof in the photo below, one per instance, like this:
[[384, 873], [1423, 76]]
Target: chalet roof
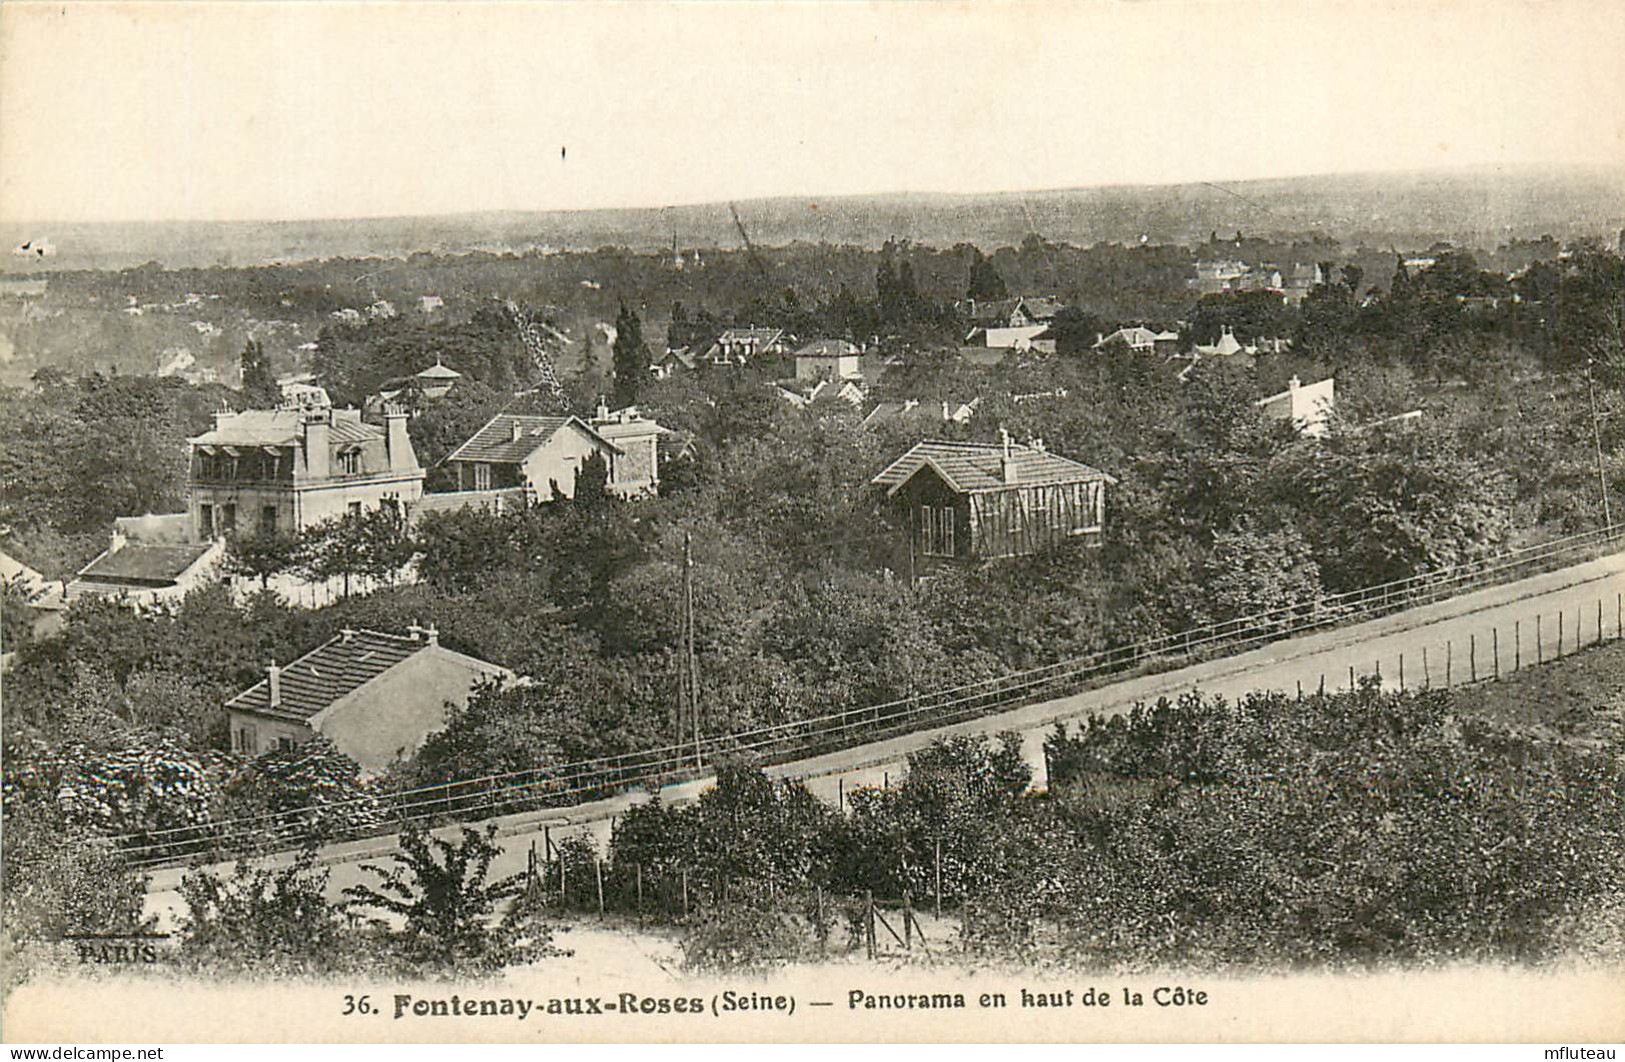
[[971, 467], [681, 355], [281, 427], [328, 672], [438, 371], [760, 335], [142, 564], [495, 442]]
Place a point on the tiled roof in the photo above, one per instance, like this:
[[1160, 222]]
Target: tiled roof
[[280, 427], [142, 564], [327, 673], [682, 355], [1041, 306], [761, 335], [505, 499], [438, 371], [829, 348], [968, 467], [495, 442], [913, 412]]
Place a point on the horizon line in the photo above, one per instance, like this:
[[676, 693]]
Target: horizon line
[[1411, 171]]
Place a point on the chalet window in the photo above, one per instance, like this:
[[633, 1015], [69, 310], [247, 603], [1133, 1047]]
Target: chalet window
[[268, 520], [355, 510], [205, 519], [247, 741], [937, 530], [284, 744], [228, 518], [482, 477], [350, 462]]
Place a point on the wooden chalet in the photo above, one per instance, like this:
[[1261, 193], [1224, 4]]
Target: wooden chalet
[[968, 502]]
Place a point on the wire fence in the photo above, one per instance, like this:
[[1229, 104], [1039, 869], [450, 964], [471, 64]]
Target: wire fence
[[565, 785], [572, 879]]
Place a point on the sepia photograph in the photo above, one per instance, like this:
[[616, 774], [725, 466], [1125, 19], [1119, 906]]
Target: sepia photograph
[[812, 522]]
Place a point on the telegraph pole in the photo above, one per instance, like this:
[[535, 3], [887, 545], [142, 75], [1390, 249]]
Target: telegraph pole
[[690, 657], [1596, 443]]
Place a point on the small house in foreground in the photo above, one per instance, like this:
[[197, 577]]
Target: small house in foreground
[[375, 696], [966, 502]]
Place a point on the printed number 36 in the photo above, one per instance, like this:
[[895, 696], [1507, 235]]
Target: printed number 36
[[357, 1005]]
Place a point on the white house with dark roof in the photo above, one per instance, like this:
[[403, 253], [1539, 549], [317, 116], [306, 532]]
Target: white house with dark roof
[[543, 454], [829, 359], [737, 346], [1142, 340], [964, 502], [375, 696]]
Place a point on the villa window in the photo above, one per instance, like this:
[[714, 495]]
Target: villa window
[[937, 530]]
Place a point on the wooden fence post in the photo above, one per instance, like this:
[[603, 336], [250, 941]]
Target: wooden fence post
[[908, 922], [1401, 672], [1449, 659], [1539, 652], [818, 909], [1599, 621], [1351, 678], [1559, 634], [598, 874], [639, 868], [1427, 678], [685, 892], [1472, 656], [1517, 647], [938, 861], [869, 922], [1495, 650]]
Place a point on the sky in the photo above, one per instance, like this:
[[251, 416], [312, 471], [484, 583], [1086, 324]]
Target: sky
[[216, 110]]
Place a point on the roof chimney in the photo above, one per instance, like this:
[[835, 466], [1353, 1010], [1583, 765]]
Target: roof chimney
[[347, 634], [1007, 466], [518, 430], [1294, 383], [397, 443], [273, 678], [603, 411]]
